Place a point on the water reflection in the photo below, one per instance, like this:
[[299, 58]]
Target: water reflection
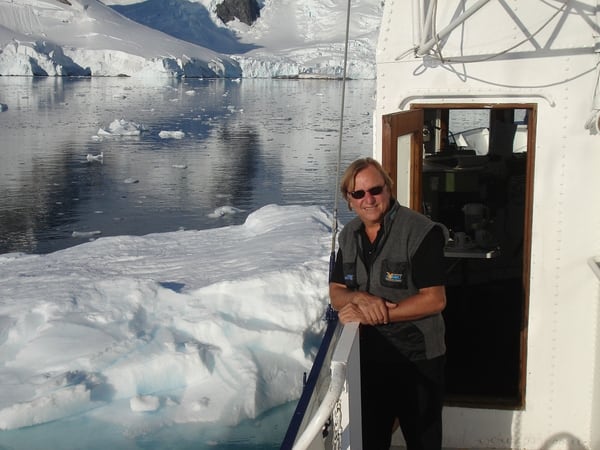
[[246, 144]]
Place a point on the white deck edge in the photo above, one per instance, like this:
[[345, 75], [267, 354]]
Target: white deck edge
[[343, 380]]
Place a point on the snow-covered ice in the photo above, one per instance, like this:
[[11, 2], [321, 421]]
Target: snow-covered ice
[[85, 234], [121, 127], [90, 157], [203, 326], [291, 38], [224, 211], [80, 38], [167, 134]]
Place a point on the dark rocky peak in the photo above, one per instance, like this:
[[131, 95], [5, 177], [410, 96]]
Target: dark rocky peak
[[246, 11]]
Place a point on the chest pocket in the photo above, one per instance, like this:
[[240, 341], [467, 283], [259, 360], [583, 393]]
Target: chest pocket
[[394, 274]]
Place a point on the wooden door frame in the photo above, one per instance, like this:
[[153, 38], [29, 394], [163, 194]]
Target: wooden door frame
[[401, 124]]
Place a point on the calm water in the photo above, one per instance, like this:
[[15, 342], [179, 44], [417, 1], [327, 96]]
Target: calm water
[[246, 144]]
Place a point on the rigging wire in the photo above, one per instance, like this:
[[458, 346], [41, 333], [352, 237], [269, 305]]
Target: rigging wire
[[334, 227], [528, 38]]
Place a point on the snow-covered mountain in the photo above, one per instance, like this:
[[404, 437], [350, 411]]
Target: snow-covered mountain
[[81, 37], [88, 37]]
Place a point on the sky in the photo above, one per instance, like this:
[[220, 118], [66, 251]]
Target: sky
[[291, 38], [141, 332]]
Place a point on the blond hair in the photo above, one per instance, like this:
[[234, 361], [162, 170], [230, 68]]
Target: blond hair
[[347, 183]]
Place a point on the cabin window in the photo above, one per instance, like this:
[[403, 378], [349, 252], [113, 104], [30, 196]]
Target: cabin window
[[469, 168]]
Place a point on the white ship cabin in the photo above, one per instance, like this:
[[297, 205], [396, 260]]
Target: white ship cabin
[[487, 119]]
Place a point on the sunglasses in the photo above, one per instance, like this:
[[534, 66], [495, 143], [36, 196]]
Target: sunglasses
[[361, 193]]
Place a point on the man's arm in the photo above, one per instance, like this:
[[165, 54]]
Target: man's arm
[[428, 301], [355, 306]]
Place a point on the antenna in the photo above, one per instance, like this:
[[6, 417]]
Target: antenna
[[340, 139]]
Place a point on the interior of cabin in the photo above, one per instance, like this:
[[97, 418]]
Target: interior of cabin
[[470, 167]]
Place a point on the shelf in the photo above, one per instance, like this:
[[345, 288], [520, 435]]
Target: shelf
[[475, 253]]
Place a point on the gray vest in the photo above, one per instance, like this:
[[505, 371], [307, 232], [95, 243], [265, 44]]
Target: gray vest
[[390, 277]]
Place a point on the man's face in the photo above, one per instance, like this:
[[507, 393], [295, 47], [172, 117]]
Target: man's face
[[374, 203]]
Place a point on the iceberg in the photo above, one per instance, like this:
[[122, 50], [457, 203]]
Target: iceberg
[[196, 326]]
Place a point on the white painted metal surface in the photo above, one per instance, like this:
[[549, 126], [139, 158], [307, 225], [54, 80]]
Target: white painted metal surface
[[595, 265], [546, 53], [344, 387]]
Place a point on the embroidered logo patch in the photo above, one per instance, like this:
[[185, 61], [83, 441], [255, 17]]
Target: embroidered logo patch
[[392, 277]]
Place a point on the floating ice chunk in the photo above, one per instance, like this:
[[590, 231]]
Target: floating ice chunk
[[179, 166], [121, 127], [232, 109], [190, 92], [92, 158], [85, 234], [224, 211], [171, 134], [144, 403]]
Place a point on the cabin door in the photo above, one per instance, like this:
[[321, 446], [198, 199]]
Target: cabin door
[[470, 169], [402, 139]]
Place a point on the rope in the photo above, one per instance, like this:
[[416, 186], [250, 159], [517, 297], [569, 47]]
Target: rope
[[334, 225]]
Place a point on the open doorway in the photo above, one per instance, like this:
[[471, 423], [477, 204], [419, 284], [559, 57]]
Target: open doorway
[[470, 167]]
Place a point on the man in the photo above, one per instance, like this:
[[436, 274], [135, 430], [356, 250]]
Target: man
[[389, 276]]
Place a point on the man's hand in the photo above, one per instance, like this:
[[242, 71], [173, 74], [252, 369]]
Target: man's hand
[[366, 309], [350, 313]]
